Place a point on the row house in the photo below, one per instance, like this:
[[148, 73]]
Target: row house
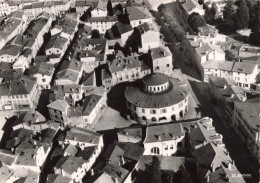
[[138, 15], [164, 140], [246, 122], [70, 72], [149, 37], [160, 60], [80, 115], [57, 45], [54, 8], [203, 142], [244, 74], [43, 72], [99, 9], [226, 93], [187, 7], [102, 24], [19, 94], [12, 26]]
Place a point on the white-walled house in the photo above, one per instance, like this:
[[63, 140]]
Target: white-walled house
[[138, 15], [163, 140], [100, 9], [43, 72]]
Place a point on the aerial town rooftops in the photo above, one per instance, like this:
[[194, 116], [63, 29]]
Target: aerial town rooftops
[[60, 105], [219, 65], [100, 177], [41, 68], [52, 178], [44, 4], [241, 67], [132, 132], [11, 50], [122, 63], [72, 164], [21, 86], [138, 13], [103, 19], [250, 111], [56, 42], [189, 5], [160, 52], [8, 27], [163, 133]]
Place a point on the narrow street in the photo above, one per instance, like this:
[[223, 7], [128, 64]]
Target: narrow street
[[201, 94]]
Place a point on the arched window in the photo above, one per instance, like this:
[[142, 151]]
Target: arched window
[[154, 119], [155, 150]]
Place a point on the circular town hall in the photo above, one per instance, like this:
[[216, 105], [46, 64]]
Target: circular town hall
[[158, 99]]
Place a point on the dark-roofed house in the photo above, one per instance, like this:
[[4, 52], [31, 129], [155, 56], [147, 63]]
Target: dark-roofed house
[[53, 8], [100, 9], [187, 7], [164, 139], [208, 150], [83, 6], [43, 72], [138, 15], [102, 24], [134, 135], [18, 94], [70, 72], [226, 93], [12, 26], [57, 45], [246, 122], [157, 99]]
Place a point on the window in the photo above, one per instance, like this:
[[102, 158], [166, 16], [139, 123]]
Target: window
[[153, 111], [163, 110], [171, 147], [143, 110], [181, 104], [155, 150], [166, 147], [43, 80], [168, 65]]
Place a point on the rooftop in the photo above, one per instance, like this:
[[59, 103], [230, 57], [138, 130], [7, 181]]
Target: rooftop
[[164, 132], [138, 13]]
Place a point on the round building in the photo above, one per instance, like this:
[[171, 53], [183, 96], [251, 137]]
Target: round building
[[158, 99]]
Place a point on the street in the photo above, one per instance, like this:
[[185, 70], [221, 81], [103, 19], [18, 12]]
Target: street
[[201, 94]]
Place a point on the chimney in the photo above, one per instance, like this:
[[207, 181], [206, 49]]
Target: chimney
[[229, 165], [200, 44], [91, 171], [208, 178], [116, 180], [204, 142], [225, 86], [213, 167], [122, 160]]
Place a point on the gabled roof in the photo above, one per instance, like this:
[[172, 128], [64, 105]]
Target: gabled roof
[[72, 164], [100, 177], [90, 103], [60, 105], [138, 13], [164, 132], [42, 68], [120, 64]]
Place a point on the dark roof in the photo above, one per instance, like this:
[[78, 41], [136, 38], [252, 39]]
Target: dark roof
[[87, 152], [41, 68], [120, 64], [155, 79], [10, 74], [163, 132], [21, 86], [123, 28], [144, 98], [89, 103], [132, 132], [103, 19], [72, 164], [100, 177], [137, 13]]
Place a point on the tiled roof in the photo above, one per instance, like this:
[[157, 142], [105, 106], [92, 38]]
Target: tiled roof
[[83, 135], [10, 74], [155, 79], [250, 110], [132, 132], [100, 177], [103, 19], [138, 13], [144, 98], [11, 50], [164, 132], [21, 86], [72, 164], [247, 68], [160, 52], [41, 68], [56, 42], [7, 157], [60, 105], [90, 103], [44, 4], [120, 64], [219, 65], [87, 152], [71, 150], [9, 26]]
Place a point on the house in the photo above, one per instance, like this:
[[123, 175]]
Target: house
[[70, 72], [83, 6], [101, 23], [100, 9], [119, 33], [133, 135], [138, 15], [188, 7], [160, 60], [244, 74], [18, 94], [43, 72], [57, 45], [12, 26], [164, 139], [208, 150], [246, 121], [149, 37], [54, 8], [8, 74], [10, 53], [226, 93], [83, 115]]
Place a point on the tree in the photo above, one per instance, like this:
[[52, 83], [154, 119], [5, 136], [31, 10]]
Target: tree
[[255, 31], [242, 16], [110, 8], [229, 16], [154, 171], [95, 34], [195, 20], [210, 13]]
